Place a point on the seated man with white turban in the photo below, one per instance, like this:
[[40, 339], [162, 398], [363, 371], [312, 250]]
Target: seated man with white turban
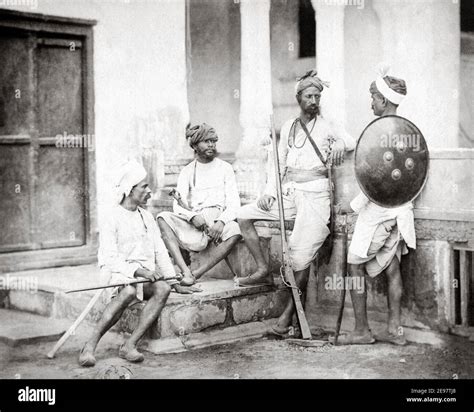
[[303, 154], [207, 206], [130, 247], [381, 235]]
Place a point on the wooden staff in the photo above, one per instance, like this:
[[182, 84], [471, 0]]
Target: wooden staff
[[74, 326], [344, 272], [288, 270], [88, 308], [116, 285]]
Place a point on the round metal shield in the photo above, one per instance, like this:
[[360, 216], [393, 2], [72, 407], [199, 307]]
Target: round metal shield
[[391, 161]]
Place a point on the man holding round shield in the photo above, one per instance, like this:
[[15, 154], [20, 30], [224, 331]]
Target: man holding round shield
[[381, 234]]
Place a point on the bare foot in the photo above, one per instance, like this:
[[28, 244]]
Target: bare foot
[[258, 278], [86, 357], [188, 279]]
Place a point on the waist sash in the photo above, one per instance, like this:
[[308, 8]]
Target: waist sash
[[302, 176]]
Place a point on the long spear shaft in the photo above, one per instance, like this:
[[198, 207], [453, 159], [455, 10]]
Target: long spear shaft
[[115, 285]]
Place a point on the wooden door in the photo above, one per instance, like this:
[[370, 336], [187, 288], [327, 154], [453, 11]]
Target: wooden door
[[46, 142]]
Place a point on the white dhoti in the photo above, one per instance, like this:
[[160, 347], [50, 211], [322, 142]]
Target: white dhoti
[[310, 211], [192, 239], [386, 244], [108, 278]]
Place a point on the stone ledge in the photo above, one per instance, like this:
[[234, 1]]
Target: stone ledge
[[200, 340], [220, 305], [17, 328]]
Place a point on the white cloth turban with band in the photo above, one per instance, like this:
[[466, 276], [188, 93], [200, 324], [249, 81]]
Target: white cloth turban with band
[[130, 175], [384, 89]]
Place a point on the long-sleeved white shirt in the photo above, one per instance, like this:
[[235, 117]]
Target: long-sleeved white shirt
[[212, 184], [371, 215], [131, 240], [305, 157]]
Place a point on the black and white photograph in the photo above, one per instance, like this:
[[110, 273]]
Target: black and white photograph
[[237, 192]]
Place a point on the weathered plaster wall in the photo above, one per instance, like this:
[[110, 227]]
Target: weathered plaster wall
[[139, 65], [421, 41], [214, 68]]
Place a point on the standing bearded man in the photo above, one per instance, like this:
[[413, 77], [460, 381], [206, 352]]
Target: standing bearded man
[[306, 195], [208, 189], [381, 236]]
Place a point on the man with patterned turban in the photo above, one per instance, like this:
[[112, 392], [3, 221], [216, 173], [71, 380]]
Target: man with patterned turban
[[206, 210], [306, 195], [130, 247], [381, 235]]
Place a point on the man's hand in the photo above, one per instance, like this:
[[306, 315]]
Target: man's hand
[[186, 290], [215, 232], [343, 208], [148, 274], [337, 152], [199, 222], [265, 202]]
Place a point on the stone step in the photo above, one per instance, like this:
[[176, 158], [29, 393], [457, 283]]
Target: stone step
[[23, 328], [210, 338], [220, 305]]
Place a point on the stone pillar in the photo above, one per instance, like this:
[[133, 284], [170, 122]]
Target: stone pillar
[[255, 97], [330, 56], [422, 43]]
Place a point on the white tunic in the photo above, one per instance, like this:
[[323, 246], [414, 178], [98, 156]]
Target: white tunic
[[204, 185], [305, 157], [129, 241]]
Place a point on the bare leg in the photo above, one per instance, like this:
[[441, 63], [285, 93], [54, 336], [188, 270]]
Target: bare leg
[[151, 311], [361, 334], [285, 319], [359, 300], [217, 253], [111, 315], [394, 296], [172, 244], [253, 243]]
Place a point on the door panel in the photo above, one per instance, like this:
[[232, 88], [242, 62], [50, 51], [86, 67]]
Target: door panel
[[15, 219], [59, 90], [60, 169], [60, 197], [16, 91], [16, 123]]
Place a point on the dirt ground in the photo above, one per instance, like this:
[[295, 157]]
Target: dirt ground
[[262, 358]]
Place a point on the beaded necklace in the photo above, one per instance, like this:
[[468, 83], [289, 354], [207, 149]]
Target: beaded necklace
[[293, 136]]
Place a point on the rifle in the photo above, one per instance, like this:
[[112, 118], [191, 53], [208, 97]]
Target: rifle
[[287, 269]]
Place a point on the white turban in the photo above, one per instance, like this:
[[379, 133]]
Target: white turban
[[129, 175], [382, 70]]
